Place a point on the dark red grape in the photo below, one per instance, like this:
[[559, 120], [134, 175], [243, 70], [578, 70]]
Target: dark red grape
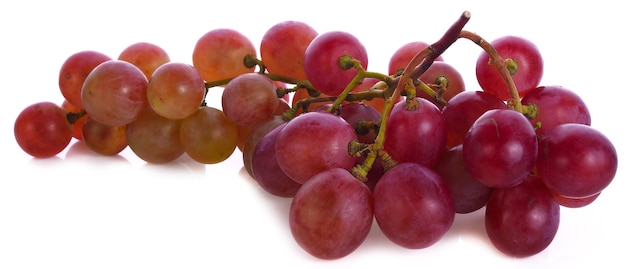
[[416, 135], [523, 220], [576, 160], [266, 170], [331, 214], [413, 206], [500, 149], [556, 105], [468, 193], [462, 110]]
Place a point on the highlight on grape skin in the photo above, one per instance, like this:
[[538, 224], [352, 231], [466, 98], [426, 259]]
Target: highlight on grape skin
[[409, 147]]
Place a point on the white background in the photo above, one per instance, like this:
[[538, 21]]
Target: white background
[[79, 210]]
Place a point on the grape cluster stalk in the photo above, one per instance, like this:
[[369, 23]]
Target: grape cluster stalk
[[408, 149]]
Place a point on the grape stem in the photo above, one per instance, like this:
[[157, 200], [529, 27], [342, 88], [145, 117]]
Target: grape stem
[[416, 67]]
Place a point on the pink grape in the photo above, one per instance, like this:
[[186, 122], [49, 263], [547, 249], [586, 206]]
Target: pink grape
[[75, 70], [175, 90], [114, 93], [249, 99]]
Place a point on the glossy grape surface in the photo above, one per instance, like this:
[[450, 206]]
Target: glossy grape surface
[[42, 130], [332, 214], [321, 61]]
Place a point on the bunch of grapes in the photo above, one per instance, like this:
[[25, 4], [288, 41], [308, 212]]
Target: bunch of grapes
[[409, 148]]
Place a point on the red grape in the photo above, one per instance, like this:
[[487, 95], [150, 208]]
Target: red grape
[[500, 148], [266, 170], [528, 71], [403, 56], [522, 221], [321, 61], [556, 105], [354, 114], [468, 193], [462, 110], [75, 70], [416, 135], [439, 70], [572, 202], [576, 160], [331, 214], [252, 138], [312, 143], [42, 129], [413, 206]]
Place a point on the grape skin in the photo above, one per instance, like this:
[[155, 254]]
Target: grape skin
[[42, 130], [282, 48], [556, 105], [146, 56], [500, 149], [331, 214], [114, 93], [175, 90], [104, 139], [321, 61], [154, 138], [75, 70], [413, 206], [418, 135], [208, 136], [219, 54], [266, 170], [522, 221], [463, 109], [527, 76], [576, 161], [312, 143], [249, 99]]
